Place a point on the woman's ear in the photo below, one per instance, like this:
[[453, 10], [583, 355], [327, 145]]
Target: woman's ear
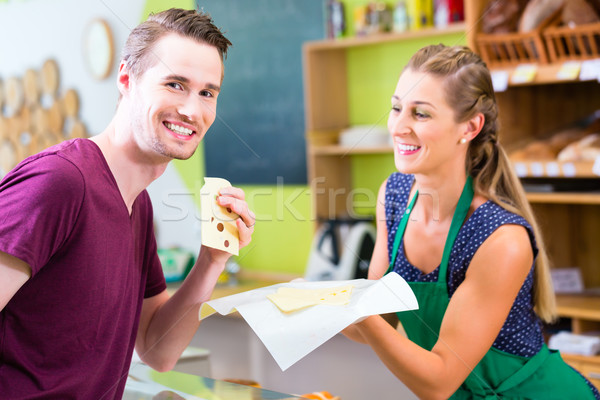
[[473, 127]]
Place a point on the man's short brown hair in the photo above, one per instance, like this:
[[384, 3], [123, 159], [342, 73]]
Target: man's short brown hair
[[193, 24]]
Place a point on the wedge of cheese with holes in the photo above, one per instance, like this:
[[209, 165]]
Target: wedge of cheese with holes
[[293, 299], [218, 229]]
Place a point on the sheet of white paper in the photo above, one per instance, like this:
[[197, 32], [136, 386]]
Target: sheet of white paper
[[290, 337]]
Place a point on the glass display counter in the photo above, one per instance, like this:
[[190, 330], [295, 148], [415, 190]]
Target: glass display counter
[[143, 383]]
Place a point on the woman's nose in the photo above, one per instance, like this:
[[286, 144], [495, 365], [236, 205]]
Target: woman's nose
[[397, 124]]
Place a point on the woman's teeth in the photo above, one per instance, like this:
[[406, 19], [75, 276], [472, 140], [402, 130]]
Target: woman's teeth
[[407, 147], [179, 129]]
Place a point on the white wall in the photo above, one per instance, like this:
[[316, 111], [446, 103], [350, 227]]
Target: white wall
[[32, 31]]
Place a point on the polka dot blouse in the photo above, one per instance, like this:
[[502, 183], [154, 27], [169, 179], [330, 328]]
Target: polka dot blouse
[[521, 333]]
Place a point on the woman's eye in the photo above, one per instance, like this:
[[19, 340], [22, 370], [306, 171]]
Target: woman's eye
[[421, 114], [396, 109]]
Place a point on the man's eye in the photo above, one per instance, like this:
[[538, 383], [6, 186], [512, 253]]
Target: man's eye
[[206, 93], [175, 85]]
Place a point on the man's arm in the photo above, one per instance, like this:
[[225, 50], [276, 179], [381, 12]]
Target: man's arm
[[167, 325], [13, 274]]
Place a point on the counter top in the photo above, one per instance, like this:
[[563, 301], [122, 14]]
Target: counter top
[[143, 383]]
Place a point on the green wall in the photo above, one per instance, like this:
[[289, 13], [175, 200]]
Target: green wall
[[284, 229]]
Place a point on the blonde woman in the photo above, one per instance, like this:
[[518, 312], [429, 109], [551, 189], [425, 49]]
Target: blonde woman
[[455, 223]]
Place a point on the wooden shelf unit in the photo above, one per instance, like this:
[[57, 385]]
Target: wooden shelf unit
[[570, 222]]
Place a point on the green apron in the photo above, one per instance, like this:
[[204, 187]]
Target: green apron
[[498, 375]]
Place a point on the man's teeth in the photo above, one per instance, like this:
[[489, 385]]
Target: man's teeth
[[179, 129], [407, 147]]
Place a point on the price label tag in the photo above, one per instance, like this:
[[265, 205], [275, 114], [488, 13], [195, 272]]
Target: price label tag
[[596, 167], [569, 170], [524, 73], [521, 169], [500, 80], [590, 70], [552, 169], [569, 71], [537, 169]]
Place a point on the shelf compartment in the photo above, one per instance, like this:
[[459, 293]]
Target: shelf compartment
[[577, 43], [579, 307]]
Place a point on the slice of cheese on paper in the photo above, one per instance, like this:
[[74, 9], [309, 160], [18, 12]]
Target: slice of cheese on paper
[[218, 229], [293, 299]]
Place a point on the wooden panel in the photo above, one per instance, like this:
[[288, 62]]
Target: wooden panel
[[326, 104], [571, 233], [473, 11], [331, 185]]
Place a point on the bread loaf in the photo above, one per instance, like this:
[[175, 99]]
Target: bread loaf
[[502, 16], [538, 11], [586, 149], [578, 12]]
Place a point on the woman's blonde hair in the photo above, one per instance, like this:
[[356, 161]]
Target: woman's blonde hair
[[469, 91]]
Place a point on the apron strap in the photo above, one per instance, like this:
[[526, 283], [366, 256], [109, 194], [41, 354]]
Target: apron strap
[[462, 209], [400, 231]]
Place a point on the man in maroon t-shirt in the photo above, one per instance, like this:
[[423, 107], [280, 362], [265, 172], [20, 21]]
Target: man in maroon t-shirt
[[80, 279]]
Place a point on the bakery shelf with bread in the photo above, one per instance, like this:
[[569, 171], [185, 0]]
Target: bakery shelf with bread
[[542, 127], [573, 152], [541, 32]]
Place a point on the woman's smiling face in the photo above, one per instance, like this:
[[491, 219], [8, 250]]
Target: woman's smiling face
[[422, 125]]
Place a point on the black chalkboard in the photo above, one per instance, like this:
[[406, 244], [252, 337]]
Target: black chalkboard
[[258, 134]]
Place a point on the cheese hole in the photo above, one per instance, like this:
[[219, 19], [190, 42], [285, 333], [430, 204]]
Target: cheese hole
[[220, 227], [229, 210], [226, 243]]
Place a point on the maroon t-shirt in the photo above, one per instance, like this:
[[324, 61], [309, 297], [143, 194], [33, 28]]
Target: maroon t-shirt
[[69, 332]]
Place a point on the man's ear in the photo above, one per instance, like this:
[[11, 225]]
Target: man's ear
[[123, 78]]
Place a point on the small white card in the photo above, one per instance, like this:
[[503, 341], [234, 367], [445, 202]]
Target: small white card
[[590, 70], [500, 80], [524, 73]]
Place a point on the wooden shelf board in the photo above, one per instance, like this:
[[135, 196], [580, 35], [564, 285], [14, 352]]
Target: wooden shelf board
[[555, 169], [580, 358], [591, 198], [381, 38], [581, 307], [546, 74]]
